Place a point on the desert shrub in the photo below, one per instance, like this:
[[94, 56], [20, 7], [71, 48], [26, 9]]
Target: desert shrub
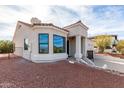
[[102, 41], [122, 51], [120, 46], [6, 46]]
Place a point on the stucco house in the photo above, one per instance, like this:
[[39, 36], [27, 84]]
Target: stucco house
[[111, 48], [45, 42]]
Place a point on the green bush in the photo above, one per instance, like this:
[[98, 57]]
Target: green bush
[[102, 41], [120, 46], [122, 51], [6, 46]]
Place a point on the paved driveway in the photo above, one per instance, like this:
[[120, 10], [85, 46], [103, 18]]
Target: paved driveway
[[109, 62]]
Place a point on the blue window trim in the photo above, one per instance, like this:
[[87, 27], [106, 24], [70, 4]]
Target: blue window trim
[[41, 43], [64, 43]]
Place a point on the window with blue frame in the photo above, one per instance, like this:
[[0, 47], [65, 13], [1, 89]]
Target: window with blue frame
[[43, 43], [58, 44]]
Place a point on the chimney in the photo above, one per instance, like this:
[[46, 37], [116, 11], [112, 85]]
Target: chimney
[[35, 21]]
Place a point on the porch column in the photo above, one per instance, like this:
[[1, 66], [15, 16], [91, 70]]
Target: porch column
[[78, 54], [85, 47]]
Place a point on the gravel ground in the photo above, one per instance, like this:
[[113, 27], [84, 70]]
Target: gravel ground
[[18, 72]]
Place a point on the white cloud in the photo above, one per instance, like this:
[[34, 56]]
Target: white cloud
[[10, 16], [108, 19]]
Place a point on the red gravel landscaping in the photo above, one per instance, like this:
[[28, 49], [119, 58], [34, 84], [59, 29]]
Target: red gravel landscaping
[[18, 72], [117, 55], [113, 55]]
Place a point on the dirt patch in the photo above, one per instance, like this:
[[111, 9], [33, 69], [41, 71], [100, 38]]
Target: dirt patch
[[5, 56], [117, 55], [18, 72], [7, 85], [113, 55]]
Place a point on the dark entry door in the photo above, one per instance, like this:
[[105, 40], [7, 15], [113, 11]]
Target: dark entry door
[[90, 54], [68, 47]]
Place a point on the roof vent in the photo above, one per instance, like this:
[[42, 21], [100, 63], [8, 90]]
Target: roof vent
[[35, 21]]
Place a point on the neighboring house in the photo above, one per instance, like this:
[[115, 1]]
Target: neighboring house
[[114, 42], [41, 42]]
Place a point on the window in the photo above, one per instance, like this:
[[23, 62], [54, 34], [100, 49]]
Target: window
[[26, 44], [43, 43], [58, 44]]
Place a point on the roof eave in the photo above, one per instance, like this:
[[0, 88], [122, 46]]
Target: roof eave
[[79, 22]]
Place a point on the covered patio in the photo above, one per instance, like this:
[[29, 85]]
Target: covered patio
[[76, 46], [77, 40]]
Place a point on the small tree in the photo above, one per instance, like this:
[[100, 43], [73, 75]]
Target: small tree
[[6, 46], [120, 46], [102, 41], [122, 51]]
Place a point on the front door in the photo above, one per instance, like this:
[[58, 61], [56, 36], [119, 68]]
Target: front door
[[68, 47]]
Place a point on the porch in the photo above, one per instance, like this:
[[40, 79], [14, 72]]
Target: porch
[[76, 46]]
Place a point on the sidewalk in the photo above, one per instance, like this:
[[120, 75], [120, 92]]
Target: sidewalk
[[102, 56], [112, 63]]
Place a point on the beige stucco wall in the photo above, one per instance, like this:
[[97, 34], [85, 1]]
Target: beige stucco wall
[[72, 46], [90, 45], [21, 32], [32, 35], [51, 56], [77, 30], [50, 31]]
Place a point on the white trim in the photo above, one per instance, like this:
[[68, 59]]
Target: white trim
[[78, 54], [76, 24], [48, 57], [48, 27]]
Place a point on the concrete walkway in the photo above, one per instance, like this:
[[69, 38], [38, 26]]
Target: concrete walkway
[[109, 62]]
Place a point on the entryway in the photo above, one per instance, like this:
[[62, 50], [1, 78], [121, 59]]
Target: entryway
[[71, 46], [74, 46]]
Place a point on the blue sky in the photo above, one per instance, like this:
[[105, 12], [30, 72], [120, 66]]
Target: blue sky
[[99, 19]]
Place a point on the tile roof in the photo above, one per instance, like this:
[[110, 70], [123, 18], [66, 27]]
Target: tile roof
[[76, 23], [25, 23], [43, 24]]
